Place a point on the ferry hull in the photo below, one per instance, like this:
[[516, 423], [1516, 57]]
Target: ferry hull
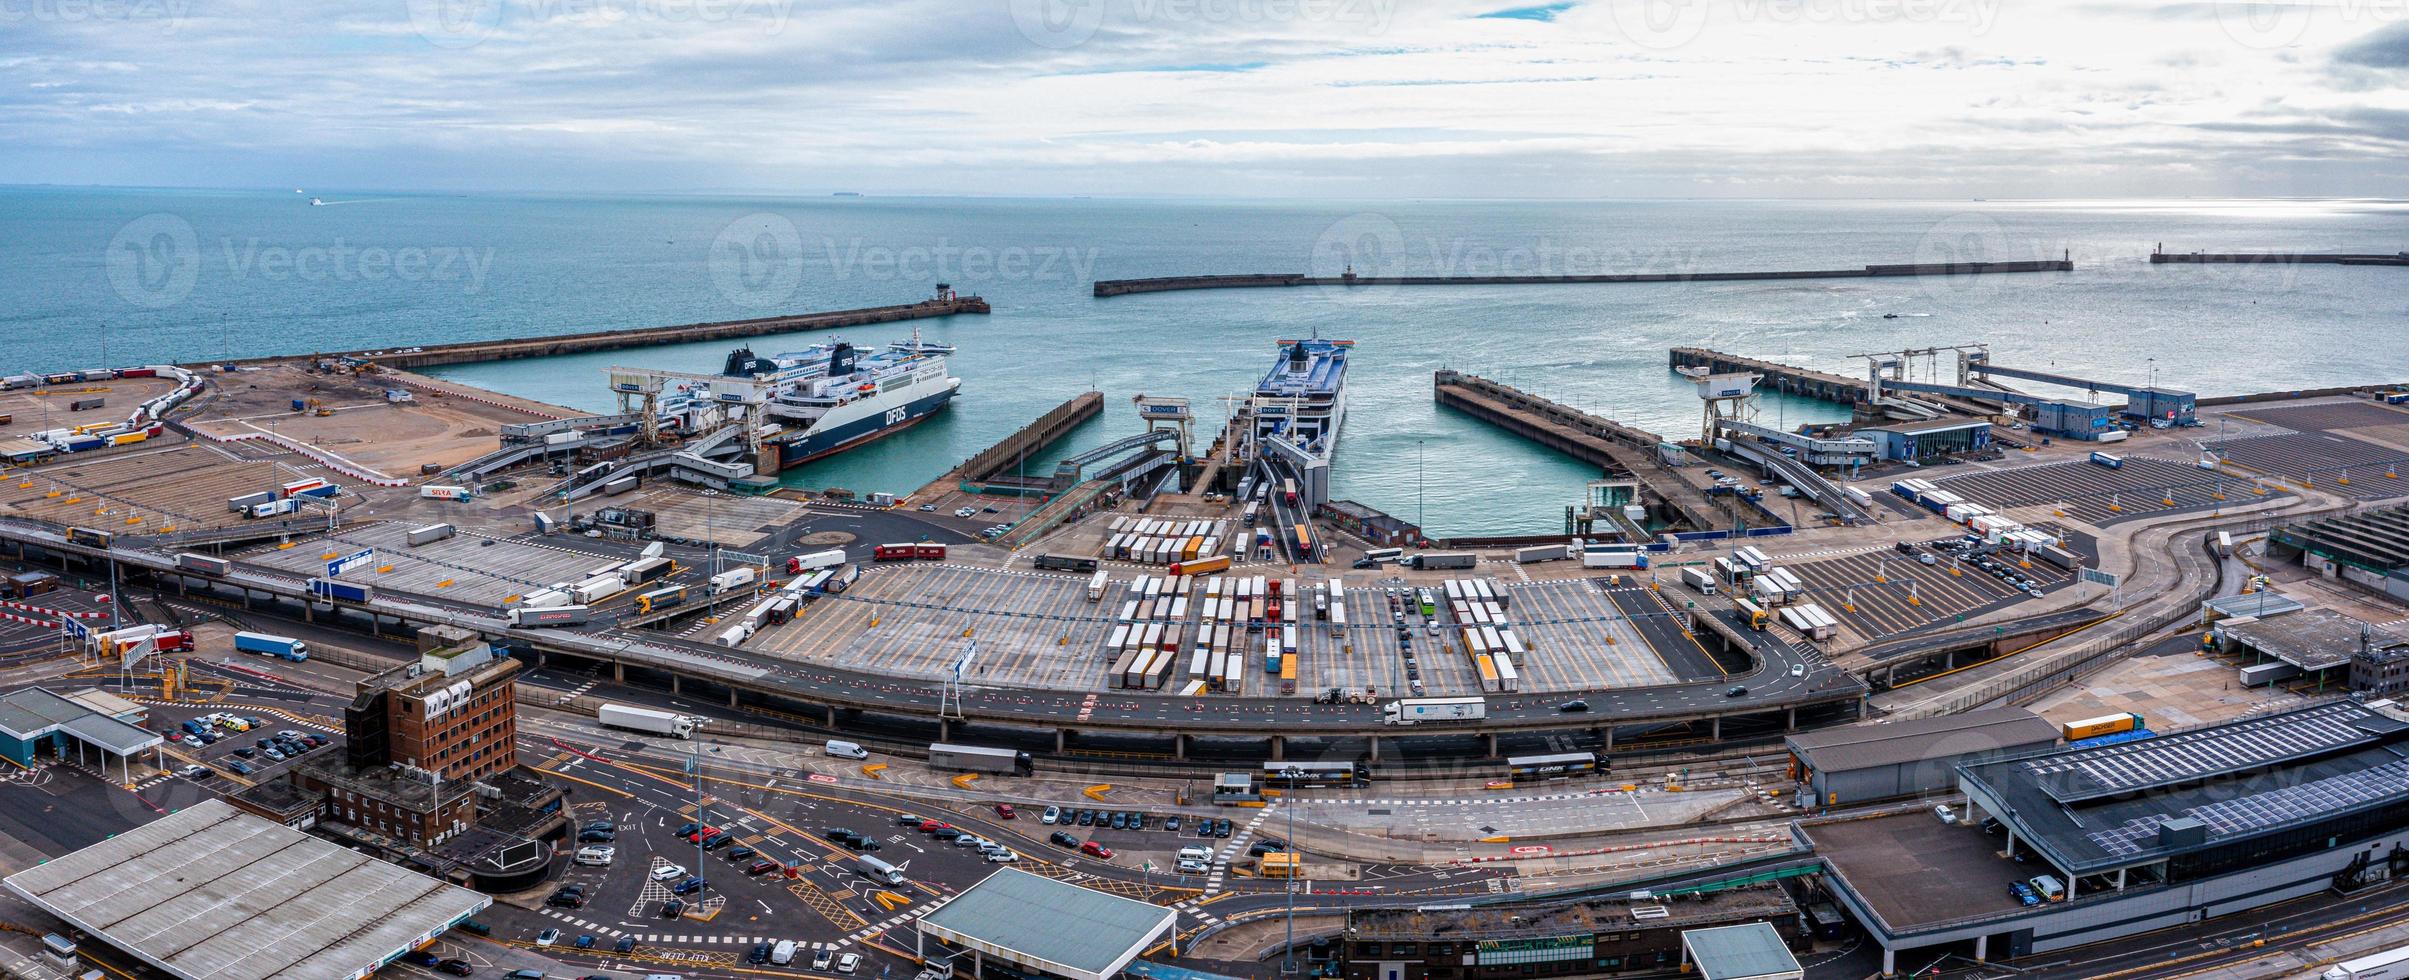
[[828, 442]]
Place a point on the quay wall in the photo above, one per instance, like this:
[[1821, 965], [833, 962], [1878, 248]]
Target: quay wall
[[1118, 287], [2279, 258], [599, 340], [1608, 444], [1782, 377], [1023, 443]]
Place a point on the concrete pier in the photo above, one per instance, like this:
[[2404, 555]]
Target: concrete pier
[[1799, 381], [1609, 444], [1009, 453], [2275, 258], [1117, 287], [577, 343]]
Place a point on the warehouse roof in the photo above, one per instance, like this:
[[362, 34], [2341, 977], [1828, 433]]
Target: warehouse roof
[[1743, 952], [1942, 737], [2099, 808], [1054, 927], [213, 893]]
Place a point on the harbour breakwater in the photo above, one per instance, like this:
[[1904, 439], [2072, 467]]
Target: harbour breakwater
[[578, 343], [1118, 287], [2162, 257]]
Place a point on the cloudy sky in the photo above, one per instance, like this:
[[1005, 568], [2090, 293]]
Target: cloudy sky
[[1257, 98]]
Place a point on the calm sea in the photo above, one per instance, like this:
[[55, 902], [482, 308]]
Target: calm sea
[[123, 276]]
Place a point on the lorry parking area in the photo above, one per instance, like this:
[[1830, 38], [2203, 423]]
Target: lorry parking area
[[1578, 639], [1034, 629], [460, 568], [2324, 459], [1883, 610], [2325, 417], [185, 488], [727, 518], [2140, 488]]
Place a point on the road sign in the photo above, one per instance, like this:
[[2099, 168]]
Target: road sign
[[76, 628], [2097, 577], [349, 562]]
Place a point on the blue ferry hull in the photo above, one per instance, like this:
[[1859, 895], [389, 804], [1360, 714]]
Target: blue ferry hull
[[851, 434]]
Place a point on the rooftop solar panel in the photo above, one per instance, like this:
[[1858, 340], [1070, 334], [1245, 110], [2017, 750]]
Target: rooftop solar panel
[[2117, 769], [2269, 809]]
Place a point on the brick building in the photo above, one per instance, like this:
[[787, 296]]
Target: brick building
[[1591, 938]]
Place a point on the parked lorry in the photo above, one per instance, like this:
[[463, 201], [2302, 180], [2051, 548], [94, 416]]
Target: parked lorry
[[1444, 559], [646, 720], [244, 503], [280, 647], [273, 508], [2391, 964], [1415, 711], [978, 758], [429, 534], [1540, 553], [1699, 579]]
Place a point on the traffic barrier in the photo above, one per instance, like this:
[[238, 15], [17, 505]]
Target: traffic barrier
[[1492, 858]]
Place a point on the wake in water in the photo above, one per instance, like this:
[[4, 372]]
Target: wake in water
[[322, 203]]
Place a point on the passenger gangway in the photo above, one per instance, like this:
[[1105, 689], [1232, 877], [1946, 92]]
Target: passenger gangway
[[1804, 477]]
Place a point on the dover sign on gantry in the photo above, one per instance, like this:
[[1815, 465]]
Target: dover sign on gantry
[[2097, 577]]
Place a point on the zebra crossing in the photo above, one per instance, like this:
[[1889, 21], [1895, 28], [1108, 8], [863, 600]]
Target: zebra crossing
[[682, 939], [889, 922], [1237, 845]]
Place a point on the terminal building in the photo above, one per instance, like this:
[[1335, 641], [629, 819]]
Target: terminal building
[[2134, 836], [1856, 763], [1587, 938], [429, 770], [1927, 440], [2370, 549], [37, 724]]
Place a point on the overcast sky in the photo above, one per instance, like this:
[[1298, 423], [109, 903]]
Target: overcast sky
[[1253, 98]]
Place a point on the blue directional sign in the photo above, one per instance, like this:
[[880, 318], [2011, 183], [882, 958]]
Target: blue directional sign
[[349, 562]]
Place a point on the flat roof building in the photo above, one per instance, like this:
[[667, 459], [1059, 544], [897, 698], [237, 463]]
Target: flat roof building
[[2371, 549], [1042, 927], [35, 722], [2138, 835], [250, 899], [1754, 951], [1927, 439], [1855, 763]]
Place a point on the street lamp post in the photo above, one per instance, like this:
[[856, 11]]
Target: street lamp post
[[1418, 526], [1288, 956]]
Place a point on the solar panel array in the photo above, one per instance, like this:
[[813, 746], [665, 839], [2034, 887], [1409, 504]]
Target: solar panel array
[[2171, 759], [2269, 809]]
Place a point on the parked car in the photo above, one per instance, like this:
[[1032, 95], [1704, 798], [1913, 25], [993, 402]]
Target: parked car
[[1052, 815], [821, 959], [761, 867], [1005, 811], [848, 962], [456, 967], [626, 944], [1095, 849], [669, 872]]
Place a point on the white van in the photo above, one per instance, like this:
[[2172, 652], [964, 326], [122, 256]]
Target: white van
[[2049, 887], [783, 953], [846, 750]]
